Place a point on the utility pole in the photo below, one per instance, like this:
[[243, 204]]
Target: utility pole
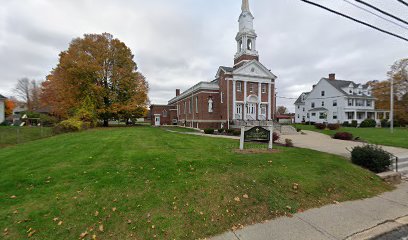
[[392, 107]]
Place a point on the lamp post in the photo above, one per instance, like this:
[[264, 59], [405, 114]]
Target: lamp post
[[392, 107]]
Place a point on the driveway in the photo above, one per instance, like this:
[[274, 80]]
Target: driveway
[[324, 143]]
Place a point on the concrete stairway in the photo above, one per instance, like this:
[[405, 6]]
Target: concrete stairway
[[403, 166]]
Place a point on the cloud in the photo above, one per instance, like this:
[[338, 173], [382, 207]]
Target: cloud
[[179, 43]]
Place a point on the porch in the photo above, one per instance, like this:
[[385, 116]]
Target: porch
[[361, 115]]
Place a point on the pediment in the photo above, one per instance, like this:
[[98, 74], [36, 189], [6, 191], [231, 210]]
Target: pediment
[[254, 69]]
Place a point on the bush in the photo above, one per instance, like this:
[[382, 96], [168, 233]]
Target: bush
[[320, 126], [236, 132], [385, 123], [275, 136], [288, 142], [368, 123], [343, 136], [221, 130], [354, 124], [333, 126], [70, 125], [230, 131], [371, 157], [298, 129], [48, 121], [346, 124], [209, 131]]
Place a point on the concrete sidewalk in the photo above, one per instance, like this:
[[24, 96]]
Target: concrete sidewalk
[[341, 221]]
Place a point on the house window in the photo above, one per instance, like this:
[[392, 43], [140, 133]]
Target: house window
[[263, 110], [185, 107], [335, 115], [298, 106], [164, 113], [222, 97], [322, 103], [210, 106], [323, 93], [189, 106], [303, 109], [313, 114], [251, 87], [322, 115], [369, 103], [196, 104], [360, 103], [350, 115], [308, 115], [334, 103], [239, 87], [369, 93], [313, 104], [351, 91], [350, 102], [263, 88], [298, 116]]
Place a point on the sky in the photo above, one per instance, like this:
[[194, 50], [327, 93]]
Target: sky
[[179, 43]]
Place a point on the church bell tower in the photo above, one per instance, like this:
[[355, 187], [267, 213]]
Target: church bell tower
[[246, 37]]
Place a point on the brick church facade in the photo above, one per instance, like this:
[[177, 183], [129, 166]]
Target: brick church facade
[[244, 93]]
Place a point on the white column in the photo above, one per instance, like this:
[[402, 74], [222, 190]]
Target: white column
[[245, 99], [234, 99], [259, 100], [269, 101]]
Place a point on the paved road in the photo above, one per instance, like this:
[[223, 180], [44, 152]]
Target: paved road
[[324, 143], [399, 234], [332, 222]]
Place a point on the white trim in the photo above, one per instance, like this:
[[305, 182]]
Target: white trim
[[245, 99], [270, 101], [234, 98], [195, 88]]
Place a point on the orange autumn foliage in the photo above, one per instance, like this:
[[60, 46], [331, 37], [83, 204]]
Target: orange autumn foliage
[[9, 107]]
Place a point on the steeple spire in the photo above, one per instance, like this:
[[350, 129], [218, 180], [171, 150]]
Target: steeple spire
[[245, 6]]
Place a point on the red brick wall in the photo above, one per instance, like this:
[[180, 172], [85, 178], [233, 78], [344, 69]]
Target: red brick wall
[[159, 109], [243, 58]]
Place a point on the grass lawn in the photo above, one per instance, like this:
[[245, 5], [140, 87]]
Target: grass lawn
[[16, 135], [380, 136], [147, 183], [179, 129]]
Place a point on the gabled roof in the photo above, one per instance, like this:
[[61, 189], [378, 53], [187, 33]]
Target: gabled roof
[[260, 66], [299, 100], [2, 97], [340, 84], [224, 69]]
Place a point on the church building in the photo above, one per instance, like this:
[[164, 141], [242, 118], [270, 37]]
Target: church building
[[241, 94]]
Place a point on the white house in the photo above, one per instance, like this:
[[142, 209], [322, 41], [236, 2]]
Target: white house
[[337, 101], [2, 108]]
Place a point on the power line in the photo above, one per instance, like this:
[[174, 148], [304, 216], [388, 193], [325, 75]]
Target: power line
[[375, 14], [403, 2], [355, 20], [381, 11]]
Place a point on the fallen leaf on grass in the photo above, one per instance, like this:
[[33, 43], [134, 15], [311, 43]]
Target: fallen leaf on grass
[[100, 228], [30, 234], [94, 237], [83, 235], [59, 223], [96, 213], [245, 196], [114, 209], [55, 219], [237, 199], [13, 197]]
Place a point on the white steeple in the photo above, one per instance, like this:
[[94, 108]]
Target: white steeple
[[246, 37]]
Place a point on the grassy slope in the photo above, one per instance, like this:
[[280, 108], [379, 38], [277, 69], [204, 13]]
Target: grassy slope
[[380, 136], [15, 135], [183, 185]]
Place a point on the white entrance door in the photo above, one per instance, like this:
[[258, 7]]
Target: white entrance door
[[239, 111], [157, 120], [251, 111]]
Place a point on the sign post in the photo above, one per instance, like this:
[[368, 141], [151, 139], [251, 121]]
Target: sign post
[[241, 143], [256, 134]]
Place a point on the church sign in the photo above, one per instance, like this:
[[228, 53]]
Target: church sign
[[257, 134]]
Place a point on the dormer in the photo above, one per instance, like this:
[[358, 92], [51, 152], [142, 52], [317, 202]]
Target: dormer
[[360, 90], [350, 88], [369, 91]]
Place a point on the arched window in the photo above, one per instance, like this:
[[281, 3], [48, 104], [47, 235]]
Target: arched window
[[164, 113], [249, 44], [210, 105]]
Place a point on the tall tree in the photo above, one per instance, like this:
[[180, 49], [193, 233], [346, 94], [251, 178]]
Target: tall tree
[[282, 110], [9, 106], [381, 90], [102, 68], [29, 92]]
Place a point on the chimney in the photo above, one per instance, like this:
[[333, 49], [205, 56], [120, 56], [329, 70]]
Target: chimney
[[332, 76], [177, 92]]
